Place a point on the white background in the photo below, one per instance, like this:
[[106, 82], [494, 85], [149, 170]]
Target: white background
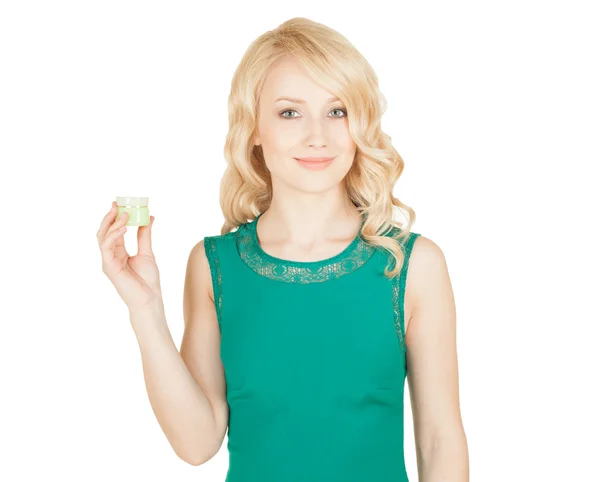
[[494, 107]]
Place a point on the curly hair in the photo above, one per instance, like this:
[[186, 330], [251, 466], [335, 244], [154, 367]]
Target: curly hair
[[334, 63]]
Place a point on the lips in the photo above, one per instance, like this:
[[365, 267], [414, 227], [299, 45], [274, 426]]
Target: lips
[[315, 163], [314, 159]]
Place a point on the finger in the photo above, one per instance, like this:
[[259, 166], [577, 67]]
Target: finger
[[120, 251], [121, 221], [107, 246], [144, 236], [107, 220]]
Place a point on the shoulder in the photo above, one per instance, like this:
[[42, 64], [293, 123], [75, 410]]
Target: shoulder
[[406, 242], [212, 243], [203, 252], [197, 275], [218, 238], [421, 247], [202, 263], [426, 253], [428, 279], [427, 260]]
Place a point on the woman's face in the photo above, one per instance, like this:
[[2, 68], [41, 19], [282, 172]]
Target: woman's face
[[312, 125]]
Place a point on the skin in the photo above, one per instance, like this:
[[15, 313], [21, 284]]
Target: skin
[[311, 218]]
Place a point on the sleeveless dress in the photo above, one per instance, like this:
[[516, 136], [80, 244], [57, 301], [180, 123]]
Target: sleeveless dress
[[314, 359]]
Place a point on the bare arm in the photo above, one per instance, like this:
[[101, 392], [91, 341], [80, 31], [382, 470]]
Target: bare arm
[[190, 414], [442, 454], [201, 343]]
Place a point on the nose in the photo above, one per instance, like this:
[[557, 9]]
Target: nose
[[316, 134]]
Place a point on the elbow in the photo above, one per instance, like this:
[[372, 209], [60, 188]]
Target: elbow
[[197, 458], [196, 462], [199, 450]]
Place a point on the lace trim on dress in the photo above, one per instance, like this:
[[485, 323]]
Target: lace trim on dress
[[349, 260], [210, 248], [399, 288]]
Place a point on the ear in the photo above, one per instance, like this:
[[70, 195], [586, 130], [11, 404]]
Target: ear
[[257, 141]]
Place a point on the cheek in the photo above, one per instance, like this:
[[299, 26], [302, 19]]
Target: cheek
[[279, 137], [288, 137], [343, 136]]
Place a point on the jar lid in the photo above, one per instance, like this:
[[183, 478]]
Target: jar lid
[[132, 201]]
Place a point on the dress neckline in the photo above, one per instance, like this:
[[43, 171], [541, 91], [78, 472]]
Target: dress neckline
[[345, 253], [357, 253]]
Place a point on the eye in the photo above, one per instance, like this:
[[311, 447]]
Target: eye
[[341, 110], [281, 114], [285, 116]]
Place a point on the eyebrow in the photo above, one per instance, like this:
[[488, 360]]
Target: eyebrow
[[302, 101]]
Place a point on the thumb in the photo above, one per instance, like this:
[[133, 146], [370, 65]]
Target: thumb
[[144, 238]]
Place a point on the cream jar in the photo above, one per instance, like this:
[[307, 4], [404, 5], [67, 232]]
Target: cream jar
[[136, 208]]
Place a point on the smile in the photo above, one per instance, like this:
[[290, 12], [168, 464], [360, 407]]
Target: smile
[[314, 163]]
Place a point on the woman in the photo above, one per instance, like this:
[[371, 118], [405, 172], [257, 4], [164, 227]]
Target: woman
[[302, 324]]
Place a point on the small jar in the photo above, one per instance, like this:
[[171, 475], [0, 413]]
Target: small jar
[[136, 208]]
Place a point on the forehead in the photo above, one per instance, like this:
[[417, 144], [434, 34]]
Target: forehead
[[288, 78]]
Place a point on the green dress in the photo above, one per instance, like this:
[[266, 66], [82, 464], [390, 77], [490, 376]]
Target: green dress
[[314, 359]]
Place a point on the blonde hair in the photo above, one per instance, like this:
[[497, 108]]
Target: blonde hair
[[334, 63]]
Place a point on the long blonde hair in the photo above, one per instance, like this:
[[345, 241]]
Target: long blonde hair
[[334, 63]]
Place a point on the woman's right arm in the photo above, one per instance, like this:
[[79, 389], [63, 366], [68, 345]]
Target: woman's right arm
[[187, 388]]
